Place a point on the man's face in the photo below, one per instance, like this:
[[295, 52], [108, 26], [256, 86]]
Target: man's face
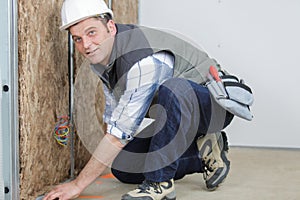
[[94, 40]]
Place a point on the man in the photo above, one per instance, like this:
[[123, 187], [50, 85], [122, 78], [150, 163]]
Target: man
[[141, 67]]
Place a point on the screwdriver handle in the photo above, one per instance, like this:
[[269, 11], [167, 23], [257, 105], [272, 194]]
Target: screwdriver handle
[[213, 71]]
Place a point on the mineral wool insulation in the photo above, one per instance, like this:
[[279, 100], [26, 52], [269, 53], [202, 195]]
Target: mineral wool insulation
[[44, 93]]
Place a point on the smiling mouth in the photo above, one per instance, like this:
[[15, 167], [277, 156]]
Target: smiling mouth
[[91, 52]]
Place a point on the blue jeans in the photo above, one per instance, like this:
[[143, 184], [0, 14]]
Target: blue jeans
[[183, 111]]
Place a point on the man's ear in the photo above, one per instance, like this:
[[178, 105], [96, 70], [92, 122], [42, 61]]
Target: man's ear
[[111, 26]]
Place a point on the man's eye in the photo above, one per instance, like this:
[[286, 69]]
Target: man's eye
[[77, 40], [92, 32]]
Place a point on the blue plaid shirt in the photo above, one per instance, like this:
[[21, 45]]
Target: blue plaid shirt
[[125, 113]]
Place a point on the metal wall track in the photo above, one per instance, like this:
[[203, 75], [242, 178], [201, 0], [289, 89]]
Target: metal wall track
[[9, 129]]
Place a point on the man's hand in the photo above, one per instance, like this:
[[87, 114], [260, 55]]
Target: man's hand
[[64, 191], [103, 156]]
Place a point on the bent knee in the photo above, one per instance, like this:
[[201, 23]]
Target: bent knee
[[128, 178]]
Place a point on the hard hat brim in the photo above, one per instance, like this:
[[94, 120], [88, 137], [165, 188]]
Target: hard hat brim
[[67, 26]]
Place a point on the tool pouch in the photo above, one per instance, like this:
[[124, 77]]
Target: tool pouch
[[233, 95]]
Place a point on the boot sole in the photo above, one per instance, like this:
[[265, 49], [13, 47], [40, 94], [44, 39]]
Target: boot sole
[[171, 196], [212, 185]]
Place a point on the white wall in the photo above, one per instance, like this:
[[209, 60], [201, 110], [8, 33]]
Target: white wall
[[258, 40]]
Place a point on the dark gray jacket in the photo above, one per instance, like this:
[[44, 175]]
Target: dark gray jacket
[[133, 43]]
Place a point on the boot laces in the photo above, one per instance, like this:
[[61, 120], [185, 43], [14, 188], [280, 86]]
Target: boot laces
[[210, 164], [146, 186]]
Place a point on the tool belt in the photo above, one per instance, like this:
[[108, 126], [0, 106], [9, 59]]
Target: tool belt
[[231, 93]]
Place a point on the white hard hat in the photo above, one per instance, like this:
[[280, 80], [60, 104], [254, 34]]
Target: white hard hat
[[74, 11]]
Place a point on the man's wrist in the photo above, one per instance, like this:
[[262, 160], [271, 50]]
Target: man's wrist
[[79, 184]]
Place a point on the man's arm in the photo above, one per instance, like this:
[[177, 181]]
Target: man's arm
[[103, 157], [142, 82]]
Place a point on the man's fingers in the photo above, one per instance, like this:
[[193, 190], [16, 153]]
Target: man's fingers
[[54, 195]]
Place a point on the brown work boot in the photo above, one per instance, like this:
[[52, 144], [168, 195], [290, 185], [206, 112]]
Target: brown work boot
[[149, 190], [213, 149]]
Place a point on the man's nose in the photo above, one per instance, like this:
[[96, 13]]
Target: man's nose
[[86, 42]]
